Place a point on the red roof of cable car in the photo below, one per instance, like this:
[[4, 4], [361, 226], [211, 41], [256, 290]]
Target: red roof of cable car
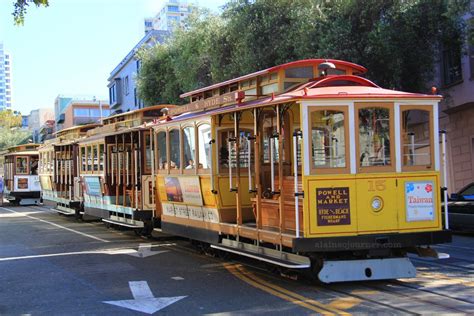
[[324, 88], [336, 62]]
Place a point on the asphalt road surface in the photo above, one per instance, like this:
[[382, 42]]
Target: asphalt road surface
[[55, 265]]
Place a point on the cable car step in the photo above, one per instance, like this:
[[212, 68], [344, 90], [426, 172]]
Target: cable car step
[[126, 222], [273, 256], [65, 210], [368, 269]]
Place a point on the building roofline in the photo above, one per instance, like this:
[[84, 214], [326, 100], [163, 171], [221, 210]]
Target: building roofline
[[152, 33]]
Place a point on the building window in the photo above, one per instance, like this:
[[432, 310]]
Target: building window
[[136, 99], [126, 85], [81, 112], [173, 8], [112, 94], [138, 64], [452, 71]]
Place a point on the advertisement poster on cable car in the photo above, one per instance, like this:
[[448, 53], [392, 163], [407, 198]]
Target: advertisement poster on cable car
[[184, 189], [419, 201], [93, 186]]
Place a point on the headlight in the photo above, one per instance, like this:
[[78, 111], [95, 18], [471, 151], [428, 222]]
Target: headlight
[[377, 204]]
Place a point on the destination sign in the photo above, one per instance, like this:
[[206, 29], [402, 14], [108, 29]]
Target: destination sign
[[207, 104], [333, 206]]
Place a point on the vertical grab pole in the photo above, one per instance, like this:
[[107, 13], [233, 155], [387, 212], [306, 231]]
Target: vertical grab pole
[[295, 170], [152, 157], [445, 178], [412, 147], [272, 163], [249, 145], [213, 187], [229, 162]]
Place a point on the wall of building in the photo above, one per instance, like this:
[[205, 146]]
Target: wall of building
[[457, 116], [5, 79], [81, 113]]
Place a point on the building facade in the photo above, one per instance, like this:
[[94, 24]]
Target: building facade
[[172, 14], [79, 111], [5, 79], [37, 119], [456, 113], [122, 80]]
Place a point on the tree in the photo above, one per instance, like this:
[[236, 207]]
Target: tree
[[20, 8], [399, 41], [11, 133]]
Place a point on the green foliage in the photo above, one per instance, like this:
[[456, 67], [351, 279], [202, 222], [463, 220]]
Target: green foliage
[[12, 137], [10, 119], [397, 40], [11, 133], [20, 7]]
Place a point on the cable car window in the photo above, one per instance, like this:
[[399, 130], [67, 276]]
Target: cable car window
[[189, 147], [204, 137], [89, 158], [83, 159], [95, 157], [374, 137], [161, 148], [299, 72], [21, 165], [175, 149], [34, 165], [223, 153], [328, 139], [416, 138], [101, 157], [147, 152]]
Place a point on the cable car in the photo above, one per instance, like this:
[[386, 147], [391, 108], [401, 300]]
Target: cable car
[[21, 182], [306, 165], [116, 170], [59, 171]]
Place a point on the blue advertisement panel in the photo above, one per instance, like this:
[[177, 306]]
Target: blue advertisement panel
[[93, 186]]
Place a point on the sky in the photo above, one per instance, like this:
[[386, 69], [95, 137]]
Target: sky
[[70, 47]]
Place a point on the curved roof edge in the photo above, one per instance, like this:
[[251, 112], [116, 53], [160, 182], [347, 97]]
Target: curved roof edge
[[336, 62]]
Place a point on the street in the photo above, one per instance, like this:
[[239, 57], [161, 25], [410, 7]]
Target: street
[[55, 265]]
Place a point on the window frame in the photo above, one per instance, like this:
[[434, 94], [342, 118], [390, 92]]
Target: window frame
[[27, 165], [203, 170], [156, 151], [336, 170], [183, 127], [393, 155], [168, 153], [427, 108]]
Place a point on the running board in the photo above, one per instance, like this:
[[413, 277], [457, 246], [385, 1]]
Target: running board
[[126, 222], [279, 258], [365, 270], [29, 201], [65, 210]]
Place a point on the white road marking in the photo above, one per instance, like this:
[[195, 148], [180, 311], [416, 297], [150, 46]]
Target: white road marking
[[105, 251], [112, 251], [143, 299], [56, 225], [178, 278], [144, 250]]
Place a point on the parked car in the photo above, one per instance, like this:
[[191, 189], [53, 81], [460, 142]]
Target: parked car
[[461, 208]]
